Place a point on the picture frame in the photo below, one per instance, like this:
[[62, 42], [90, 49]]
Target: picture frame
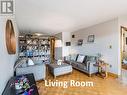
[[91, 39], [68, 43], [80, 42], [73, 36]]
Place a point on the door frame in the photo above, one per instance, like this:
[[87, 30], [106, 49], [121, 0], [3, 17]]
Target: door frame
[[121, 51]]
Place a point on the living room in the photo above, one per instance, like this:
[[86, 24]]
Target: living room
[[60, 36]]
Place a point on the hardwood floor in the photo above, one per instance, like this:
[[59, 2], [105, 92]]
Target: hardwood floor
[[109, 86]]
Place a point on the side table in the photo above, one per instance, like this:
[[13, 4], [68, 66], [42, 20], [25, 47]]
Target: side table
[[102, 69]]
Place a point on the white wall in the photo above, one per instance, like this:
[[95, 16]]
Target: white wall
[[58, 50], [6, 61], [123, 20], [66, 37], [106, 35]]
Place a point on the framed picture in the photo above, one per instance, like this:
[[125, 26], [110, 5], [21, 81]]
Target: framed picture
[[90, 38], [73, 36], [68, 43], [80, 42]]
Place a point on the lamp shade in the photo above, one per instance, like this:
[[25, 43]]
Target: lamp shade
[[58, 43]]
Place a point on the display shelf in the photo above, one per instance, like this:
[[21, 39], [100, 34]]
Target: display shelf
[[30, 46]]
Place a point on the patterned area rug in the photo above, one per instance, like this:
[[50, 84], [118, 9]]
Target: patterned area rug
[[109, 86]]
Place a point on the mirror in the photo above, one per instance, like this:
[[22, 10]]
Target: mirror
[[10, 38]]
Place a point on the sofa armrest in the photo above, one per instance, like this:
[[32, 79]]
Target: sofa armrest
[[91, 68]]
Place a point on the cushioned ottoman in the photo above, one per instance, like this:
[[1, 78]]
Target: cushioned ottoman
[[57, 70]]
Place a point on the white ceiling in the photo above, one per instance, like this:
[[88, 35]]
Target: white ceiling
[[54, 16]]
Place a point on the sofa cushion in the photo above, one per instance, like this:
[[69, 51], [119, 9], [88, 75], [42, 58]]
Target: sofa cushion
[[80, 58], [73, 57], [39, 71], [37, 61], [67, 58], [90, 58], [20, 63], [85, 60], [73, 63], [82, 66], [24, 65]]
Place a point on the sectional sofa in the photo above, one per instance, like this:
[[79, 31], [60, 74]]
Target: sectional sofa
[[38, 69]]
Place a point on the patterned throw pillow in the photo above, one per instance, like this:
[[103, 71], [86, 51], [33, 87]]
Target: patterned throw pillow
[[30, 62], [20, 63], [73, 57], [80, 58]]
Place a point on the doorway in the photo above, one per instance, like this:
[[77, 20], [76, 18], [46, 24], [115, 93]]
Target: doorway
[[124, 47], [123, 55]]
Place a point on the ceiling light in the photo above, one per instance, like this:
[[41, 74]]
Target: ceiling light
[[38, 34]]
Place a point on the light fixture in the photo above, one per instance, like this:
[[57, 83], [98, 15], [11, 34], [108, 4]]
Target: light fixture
[[58, 43], [38, 34]]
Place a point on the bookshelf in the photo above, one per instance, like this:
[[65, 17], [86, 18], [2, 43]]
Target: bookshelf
[[36, 47]]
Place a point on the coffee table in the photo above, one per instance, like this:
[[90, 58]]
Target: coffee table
[[10, 87]]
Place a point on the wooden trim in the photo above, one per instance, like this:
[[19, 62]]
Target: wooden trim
[[124, 28], [112, 75], [121, 51], [52, 45]]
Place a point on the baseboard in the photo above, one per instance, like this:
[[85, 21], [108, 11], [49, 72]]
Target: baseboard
[[113, 75]]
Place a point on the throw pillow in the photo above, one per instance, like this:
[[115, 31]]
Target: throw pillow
[[67, 58], [30, 62], [73, 57], [20, 62], [59, 62], [37, 61], [80, 58]]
